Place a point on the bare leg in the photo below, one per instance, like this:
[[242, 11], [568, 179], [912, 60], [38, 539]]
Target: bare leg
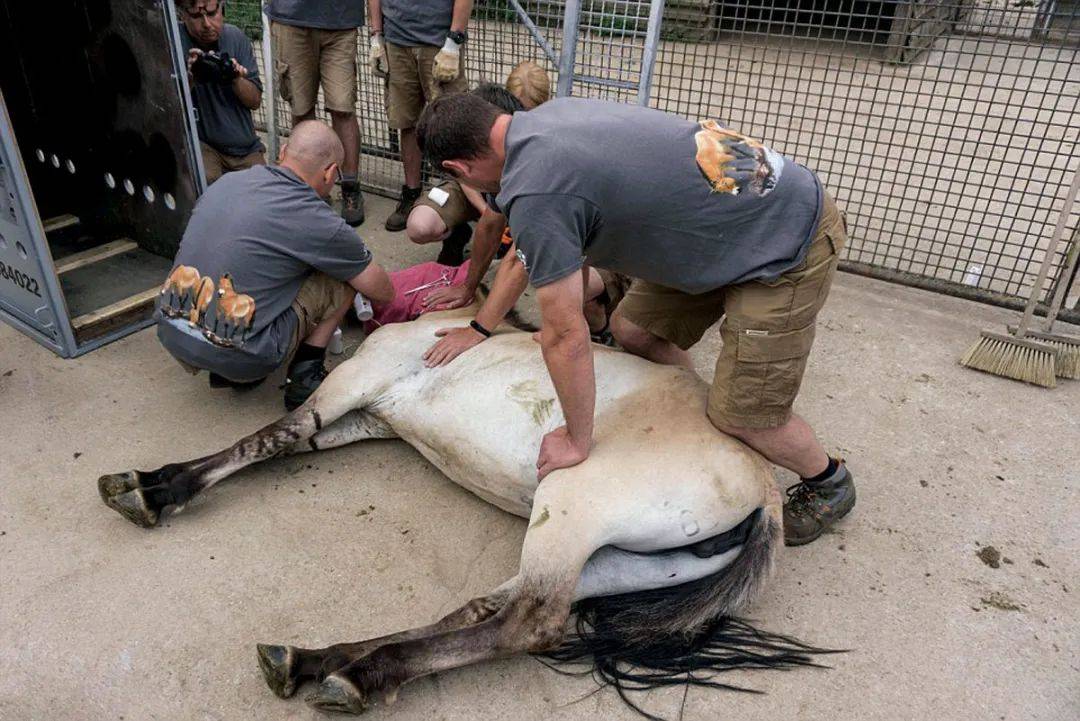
[[410, 157], [320, 336], [595, 314], [425, 226], [348, 130], [792, 445], [641, 342]]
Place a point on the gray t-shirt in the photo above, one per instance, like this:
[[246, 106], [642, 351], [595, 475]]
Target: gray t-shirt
[[691, 206], [224, 123], [321, 14], [257, 233], [417, 22]]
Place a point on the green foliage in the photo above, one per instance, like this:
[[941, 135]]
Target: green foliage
[[246, 15]]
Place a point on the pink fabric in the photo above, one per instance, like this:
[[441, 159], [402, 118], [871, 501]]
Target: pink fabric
[[408, 307]]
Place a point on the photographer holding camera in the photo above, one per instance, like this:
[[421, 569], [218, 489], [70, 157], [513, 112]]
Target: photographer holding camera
[[225, 87]]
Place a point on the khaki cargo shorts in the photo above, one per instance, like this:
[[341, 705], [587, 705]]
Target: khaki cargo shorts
[[318, 297], [768, 331], [456, 210], [410, 86], [216, 163], [304, 57]]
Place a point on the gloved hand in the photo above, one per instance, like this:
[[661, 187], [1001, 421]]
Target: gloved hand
[[447, 61], [377, 58]]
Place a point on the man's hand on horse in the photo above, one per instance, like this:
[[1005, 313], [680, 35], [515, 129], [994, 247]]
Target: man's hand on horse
[[449, 298], [559, 450], [453, 342]]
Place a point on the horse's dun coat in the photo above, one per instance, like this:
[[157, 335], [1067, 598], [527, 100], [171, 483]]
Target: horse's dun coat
[[660, 478]]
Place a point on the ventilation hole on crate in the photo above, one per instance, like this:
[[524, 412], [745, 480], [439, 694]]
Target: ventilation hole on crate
[[129, 186], [170, 201], [110, 180], [70, 166], [22, 251], [54, 160], [3, 242], [148, 193], [40, 155]]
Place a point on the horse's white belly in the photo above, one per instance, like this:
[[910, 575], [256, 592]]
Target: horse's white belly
[[480, 421]]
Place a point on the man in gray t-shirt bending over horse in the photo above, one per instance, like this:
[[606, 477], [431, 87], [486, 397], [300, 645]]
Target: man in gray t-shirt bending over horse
[[711, 222]]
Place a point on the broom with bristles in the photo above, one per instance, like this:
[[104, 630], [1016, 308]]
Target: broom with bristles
[[1066, 347], [1016, 356]]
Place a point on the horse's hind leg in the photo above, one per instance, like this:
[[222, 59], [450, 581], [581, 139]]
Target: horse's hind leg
[[285, 667], [532, 618], [142, 496]]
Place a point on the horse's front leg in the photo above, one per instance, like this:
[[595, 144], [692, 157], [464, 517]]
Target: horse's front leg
[[142, 496]]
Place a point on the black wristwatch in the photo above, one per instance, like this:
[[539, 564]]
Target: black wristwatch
[[479, 329], [458, 37]]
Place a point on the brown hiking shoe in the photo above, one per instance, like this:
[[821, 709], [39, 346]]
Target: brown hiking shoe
[[397, 219], [812, 508]]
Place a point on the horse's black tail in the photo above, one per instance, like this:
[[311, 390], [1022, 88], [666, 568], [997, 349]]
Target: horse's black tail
[[683, 635]]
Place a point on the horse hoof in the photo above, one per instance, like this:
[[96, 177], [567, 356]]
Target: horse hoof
[[337, 693], [276, 663], [132, 506], [116, 483]]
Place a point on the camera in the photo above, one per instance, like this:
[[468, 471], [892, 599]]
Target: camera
[[211, 67]]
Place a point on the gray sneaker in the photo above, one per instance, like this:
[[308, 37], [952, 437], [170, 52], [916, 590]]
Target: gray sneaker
[[812, 508]]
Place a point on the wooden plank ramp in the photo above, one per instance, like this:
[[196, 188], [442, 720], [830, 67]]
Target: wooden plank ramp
[[60, 222], [93, 255], [99, 322]]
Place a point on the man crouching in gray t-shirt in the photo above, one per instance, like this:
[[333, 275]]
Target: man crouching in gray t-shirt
[[709, 223], [266, 272]]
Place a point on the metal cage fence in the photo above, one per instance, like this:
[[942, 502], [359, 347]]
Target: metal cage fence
[[948, 130]]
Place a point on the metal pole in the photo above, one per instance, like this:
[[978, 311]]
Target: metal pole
[[648, 57], [534, 31], [172, 26], [572, 14], [1048, 259], [270, 94]]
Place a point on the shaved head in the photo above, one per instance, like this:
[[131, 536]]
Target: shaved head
[[312, 147]]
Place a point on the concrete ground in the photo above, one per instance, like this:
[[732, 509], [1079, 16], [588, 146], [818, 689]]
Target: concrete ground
[[103, 620]]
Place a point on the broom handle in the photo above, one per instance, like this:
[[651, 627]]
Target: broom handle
[[1044, 270], [1066, 277]]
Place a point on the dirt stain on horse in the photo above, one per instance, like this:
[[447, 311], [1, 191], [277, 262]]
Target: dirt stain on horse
[[545, 514], [525, 394]]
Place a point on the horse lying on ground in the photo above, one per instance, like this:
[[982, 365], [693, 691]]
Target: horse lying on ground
[[667, 529]]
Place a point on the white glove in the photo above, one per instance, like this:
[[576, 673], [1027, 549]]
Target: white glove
[[379, 67], [447, 62]]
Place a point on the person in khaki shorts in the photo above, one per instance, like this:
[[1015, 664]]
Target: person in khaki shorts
[[266, 271], [418, 45], [315, 42], [443, 214], [707, 220]]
